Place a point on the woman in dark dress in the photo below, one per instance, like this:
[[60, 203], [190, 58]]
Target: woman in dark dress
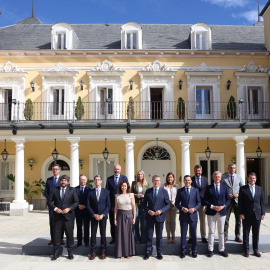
[[124, 219]]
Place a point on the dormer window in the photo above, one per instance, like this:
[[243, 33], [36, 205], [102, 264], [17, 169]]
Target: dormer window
[[131, 36], [201, 37], [63, 37]]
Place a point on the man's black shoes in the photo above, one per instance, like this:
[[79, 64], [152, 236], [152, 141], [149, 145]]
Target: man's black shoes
[[146, 256], [159, 256]]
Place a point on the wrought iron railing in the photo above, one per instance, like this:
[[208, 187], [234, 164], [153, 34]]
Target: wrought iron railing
[[113, 111]]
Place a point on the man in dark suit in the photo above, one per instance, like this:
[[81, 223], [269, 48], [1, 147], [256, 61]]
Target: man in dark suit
[[200, 182], [233, 181], [111, 186], [51, 183], [188, 202], [63, 201], [98, 205], [82, 215], [216, 199], [252, 211], [155, 203]]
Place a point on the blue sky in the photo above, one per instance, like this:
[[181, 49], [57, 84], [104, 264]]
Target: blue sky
[[224, 12]]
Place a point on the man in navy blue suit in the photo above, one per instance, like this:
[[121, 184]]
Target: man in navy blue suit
[[216, 199], [155, 203], [252, 211], [111, 186], [188, 201], [51, 183], [82, 215], [98, 205]]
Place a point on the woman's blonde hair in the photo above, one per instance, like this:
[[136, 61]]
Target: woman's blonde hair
[[144, 178]]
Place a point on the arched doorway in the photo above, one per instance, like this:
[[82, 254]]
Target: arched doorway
[[162, 164]]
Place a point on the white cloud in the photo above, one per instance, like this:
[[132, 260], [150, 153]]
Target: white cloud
[[250, 16], [228, 3]]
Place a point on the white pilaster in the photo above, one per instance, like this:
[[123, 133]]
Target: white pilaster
[[130, 167], [74, 160], [185, 158], [19, 206], [240, 156]]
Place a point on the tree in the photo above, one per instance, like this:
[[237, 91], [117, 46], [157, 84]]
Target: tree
[[231, 108], [79, 109], [28, 109]]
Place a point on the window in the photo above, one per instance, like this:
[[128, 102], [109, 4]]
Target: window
[[131, 36], [253, 97], [63, 37], [201, 37], [6, 186], [58, 102], [106, 101], [203, 101]]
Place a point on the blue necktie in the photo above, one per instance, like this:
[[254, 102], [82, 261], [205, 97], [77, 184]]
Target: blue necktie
[[188, 195], [198, 182], [217, 193], [155, 195], [63, 194]]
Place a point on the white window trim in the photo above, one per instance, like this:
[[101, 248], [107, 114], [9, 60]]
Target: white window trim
[[131, 27], [200, 28], [214, 156], [112, 157], [10, 192]]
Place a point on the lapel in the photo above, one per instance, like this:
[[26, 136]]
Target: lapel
[[214, 191], [152, 195], [66, 193]]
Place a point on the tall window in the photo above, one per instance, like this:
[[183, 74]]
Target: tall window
[[253, 97], [203, 101], [106, 101], [58, 102], [201, 37], [62, 41], [6, 168], [132, 40], [201, 41]]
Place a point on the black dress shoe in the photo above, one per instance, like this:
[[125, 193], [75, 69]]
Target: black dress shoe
[[210, 254], [257, 253], [194, 254], [182, 255], [70, 257], [223, 253], [159, 256], [54, 258], [111, 241], [146, 256]]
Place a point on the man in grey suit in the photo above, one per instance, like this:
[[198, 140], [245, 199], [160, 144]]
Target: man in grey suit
[[233, 181]]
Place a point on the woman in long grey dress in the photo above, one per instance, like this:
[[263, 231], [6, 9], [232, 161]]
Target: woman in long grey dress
[[124, 219]]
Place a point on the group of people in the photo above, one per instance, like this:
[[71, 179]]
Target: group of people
[[135, 210]]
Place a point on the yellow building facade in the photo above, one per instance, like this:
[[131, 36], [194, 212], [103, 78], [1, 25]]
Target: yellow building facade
[[105, 65]]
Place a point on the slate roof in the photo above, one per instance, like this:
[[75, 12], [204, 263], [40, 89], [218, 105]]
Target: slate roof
[[30, 34]]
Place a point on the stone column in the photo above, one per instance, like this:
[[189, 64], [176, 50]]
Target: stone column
[[130, 166], [74, 160], [19, 207], [185, 164], [240, 156]]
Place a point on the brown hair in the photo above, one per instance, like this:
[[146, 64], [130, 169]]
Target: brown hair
[[167, 182], [120, 185]]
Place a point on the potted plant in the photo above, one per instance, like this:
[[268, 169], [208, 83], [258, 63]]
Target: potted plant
[[79, 109], [30, 189], [28, 110], [181, 108], [130, 108], [231, 108]]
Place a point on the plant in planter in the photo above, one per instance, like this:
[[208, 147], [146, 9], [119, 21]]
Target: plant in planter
[[30, 189], [28, 110], [90, 183], [79, 109], [181, 108], [231, 108], [130, 108]]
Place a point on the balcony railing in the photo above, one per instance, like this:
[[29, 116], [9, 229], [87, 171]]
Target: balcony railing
[[114, 111]]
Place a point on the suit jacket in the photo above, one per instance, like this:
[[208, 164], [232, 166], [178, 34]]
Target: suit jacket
[[110, 186], [162, 203], [193, 202], [247, 204], [98, 207], [83, 197], [71, 201], [50, 185], [237, 183], [135, 190], [202, 188], [210, 198]]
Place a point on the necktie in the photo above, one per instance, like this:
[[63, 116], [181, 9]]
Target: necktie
[[217, 193], [63, 194], [198, 182], [55, 180], [188, 195], [116, 181], [98, 194], [253, 193], [155, 195], [81, 190], [232, 180]]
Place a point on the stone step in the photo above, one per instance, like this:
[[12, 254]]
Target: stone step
[[39, 246]]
